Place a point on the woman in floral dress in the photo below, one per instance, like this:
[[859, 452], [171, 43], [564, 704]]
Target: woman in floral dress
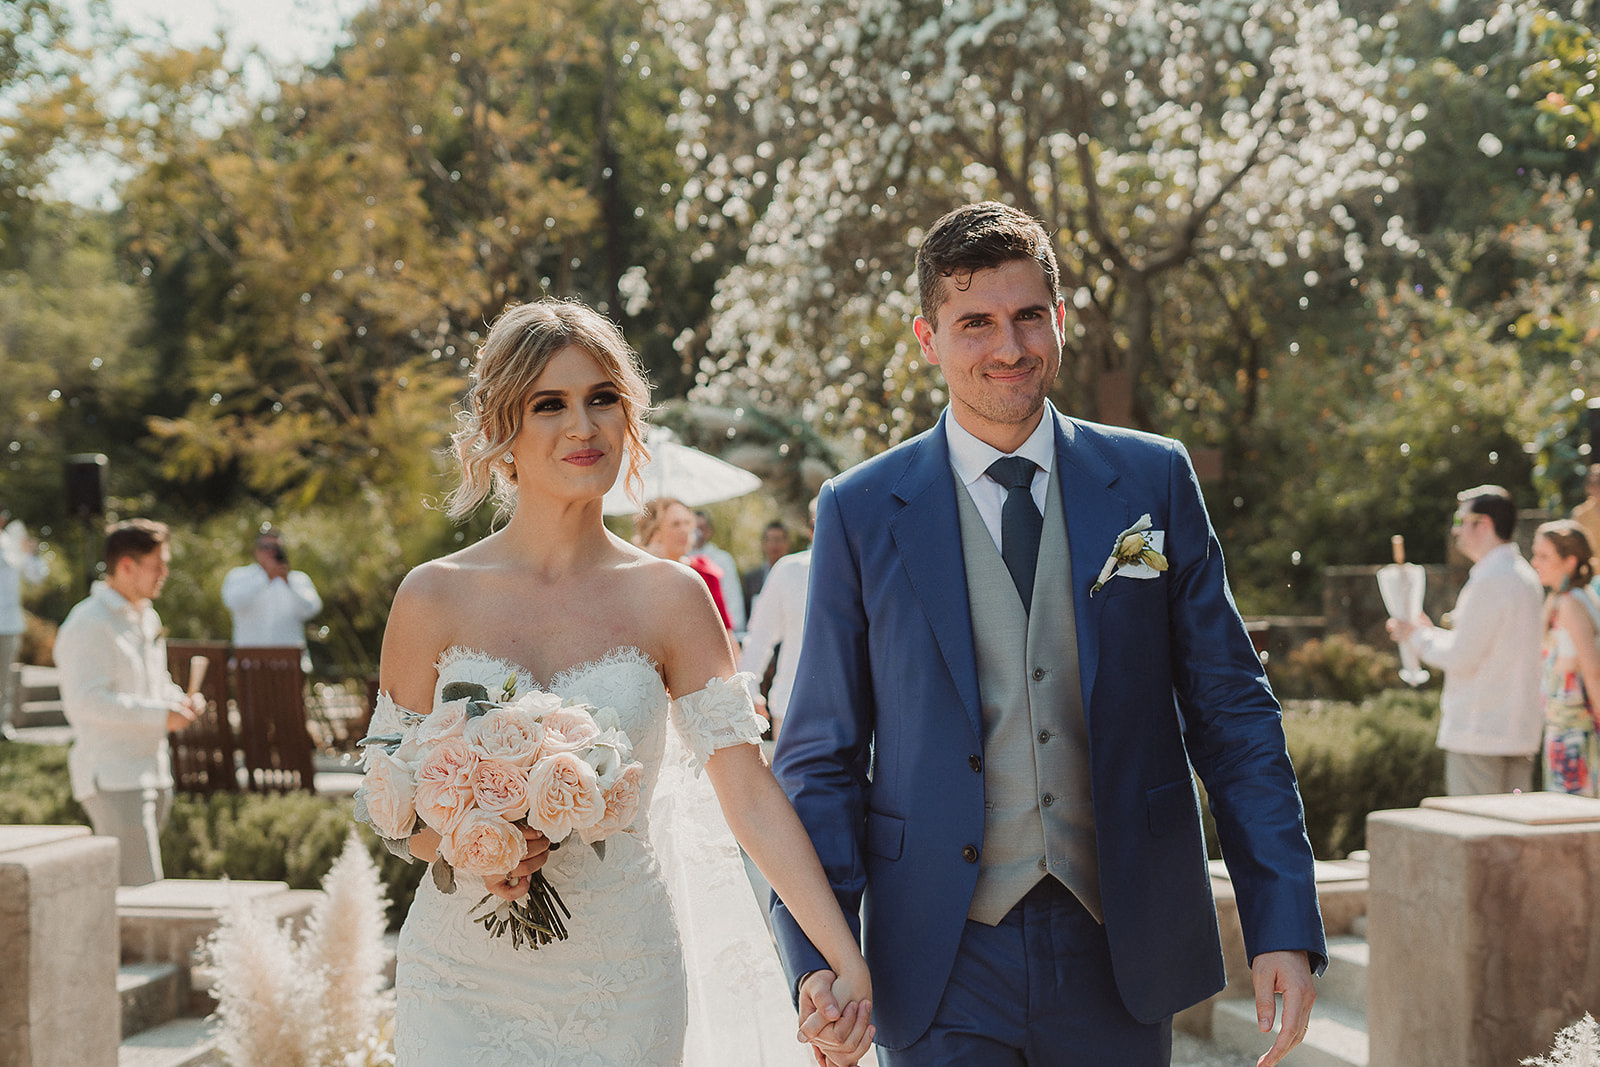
[[1561, 556]]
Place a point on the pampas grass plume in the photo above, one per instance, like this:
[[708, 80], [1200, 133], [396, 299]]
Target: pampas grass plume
[[258, 989], [344, 944], [1576, 1046]]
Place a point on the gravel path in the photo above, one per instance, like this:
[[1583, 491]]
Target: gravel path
[[1190, 1051]]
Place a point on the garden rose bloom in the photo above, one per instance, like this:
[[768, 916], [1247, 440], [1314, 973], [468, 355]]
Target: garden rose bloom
[[507, 735], [447, 720], [389, 791], [568, 729], [622, 804], [444, 783], [501, 788], [483, 844], [566, 796], [537, 703]]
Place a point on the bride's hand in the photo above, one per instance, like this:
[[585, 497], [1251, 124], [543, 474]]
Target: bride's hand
[[842, 1042], [514, 886]]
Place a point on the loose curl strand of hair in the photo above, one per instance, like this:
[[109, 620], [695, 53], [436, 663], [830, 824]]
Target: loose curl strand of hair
[[520, 345]]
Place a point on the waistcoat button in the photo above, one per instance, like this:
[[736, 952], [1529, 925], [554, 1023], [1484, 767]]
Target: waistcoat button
[[969, 854], [1044, 735], [1038, 673], [1048, 799]]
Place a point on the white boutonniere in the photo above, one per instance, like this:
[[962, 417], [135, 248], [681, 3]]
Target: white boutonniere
[[1137, 546]]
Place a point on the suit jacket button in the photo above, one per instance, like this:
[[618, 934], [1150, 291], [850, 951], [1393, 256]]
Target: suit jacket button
[[1038, 674], [969, 854], [975, 763]]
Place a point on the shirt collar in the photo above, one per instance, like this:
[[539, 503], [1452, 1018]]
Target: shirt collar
[[114, 601], [970, 457]]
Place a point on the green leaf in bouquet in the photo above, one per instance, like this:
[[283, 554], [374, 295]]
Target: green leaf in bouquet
[[599, 848], [478, 708], [463, 691], [444, 876], [390, 742]]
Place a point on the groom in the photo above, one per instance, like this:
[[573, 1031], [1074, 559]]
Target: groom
[[993, 727]]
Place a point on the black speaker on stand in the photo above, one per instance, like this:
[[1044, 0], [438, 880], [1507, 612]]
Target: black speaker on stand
[[86, 501]]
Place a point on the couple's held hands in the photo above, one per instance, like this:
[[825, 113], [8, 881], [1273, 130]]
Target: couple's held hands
[[513, 886], [1287, 974], [839, 1037]]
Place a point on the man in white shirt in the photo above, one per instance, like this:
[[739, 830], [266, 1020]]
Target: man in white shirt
[[1492, 714], [19, 562], [777, 622], [269, 602], [120, 700], [732, 594]]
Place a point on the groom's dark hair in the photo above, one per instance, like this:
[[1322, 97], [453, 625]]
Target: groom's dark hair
[[979, 237]]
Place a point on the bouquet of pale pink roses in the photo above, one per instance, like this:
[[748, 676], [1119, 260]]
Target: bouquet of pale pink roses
[[477, 771]]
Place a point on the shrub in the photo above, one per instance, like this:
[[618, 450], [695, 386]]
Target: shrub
[[291, 838], [1336, 667]]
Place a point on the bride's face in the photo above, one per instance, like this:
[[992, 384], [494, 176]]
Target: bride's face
[[573, 434]]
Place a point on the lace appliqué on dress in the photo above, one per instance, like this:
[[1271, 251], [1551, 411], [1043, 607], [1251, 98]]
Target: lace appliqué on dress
[[718, 716]]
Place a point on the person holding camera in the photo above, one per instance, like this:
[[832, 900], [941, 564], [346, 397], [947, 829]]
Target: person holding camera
[[269, 602]]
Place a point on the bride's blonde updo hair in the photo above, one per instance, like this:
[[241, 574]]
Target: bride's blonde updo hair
[[520, 345]]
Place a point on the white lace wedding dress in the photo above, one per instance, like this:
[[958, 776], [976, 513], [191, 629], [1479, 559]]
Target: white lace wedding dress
[[667, 962]]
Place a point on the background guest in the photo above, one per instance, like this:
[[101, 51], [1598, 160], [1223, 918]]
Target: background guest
[[269, 602], [776, 625], [732, 595], [1492, 710], [120, 700], [666, 528], [1562, 558], [774, 546], [19, 562]]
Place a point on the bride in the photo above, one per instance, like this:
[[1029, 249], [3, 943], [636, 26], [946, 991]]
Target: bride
[[557, 602]]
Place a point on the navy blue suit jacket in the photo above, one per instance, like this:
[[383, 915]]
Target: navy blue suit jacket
[[880, 752]]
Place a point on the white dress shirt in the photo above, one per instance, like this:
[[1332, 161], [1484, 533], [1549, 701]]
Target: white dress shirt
[[779, 621], [970, 459], [269, 612], [1491, 704], [29, 568], [116, 692]]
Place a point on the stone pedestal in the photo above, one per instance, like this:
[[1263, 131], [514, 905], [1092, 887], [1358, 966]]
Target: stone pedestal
[[58, 948], [1484, 921]]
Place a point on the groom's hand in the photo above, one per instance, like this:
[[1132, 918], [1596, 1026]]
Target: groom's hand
[[1288, 973]]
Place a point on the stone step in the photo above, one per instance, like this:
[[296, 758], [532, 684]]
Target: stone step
[[179, 1043], [1345, 981], [1337, 1036], [32, 713], [151, 994]]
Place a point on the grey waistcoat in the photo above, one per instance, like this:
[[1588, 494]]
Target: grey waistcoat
[[1038, 818]]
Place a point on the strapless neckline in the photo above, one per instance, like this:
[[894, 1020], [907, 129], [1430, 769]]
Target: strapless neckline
[[630, 655]]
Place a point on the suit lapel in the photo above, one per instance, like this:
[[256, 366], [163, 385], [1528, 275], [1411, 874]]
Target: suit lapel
[[1095, 514], [927, 535]]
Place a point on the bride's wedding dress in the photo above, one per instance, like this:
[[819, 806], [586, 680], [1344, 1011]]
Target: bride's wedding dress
[[667, 962]]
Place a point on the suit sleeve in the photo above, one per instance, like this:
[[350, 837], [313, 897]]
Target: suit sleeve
[[1234, 737], [823, 751]]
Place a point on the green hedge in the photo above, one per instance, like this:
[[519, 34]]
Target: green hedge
[[1352, 759], [290, 838]]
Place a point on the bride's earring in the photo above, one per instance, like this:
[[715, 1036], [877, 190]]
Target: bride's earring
[[509, 459]]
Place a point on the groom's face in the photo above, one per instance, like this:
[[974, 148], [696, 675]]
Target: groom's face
[[998, 342]]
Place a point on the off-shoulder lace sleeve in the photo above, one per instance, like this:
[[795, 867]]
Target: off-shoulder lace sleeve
[[718, 716], [388, 723]]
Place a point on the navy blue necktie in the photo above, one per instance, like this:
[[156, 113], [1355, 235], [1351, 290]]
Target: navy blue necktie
[[1020, 522]]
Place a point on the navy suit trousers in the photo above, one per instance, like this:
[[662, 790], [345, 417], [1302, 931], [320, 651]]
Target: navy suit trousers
[[1035, 991]]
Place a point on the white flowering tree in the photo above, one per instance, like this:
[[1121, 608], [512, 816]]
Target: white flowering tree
[[1181, 152]]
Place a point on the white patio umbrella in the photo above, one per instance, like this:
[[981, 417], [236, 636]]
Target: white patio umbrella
[[681, 472]]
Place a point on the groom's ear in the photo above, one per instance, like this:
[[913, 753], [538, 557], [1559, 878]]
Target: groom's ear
[[924, 331]]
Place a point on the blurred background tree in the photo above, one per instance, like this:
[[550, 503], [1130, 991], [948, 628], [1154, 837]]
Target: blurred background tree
[[1342, 248]]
